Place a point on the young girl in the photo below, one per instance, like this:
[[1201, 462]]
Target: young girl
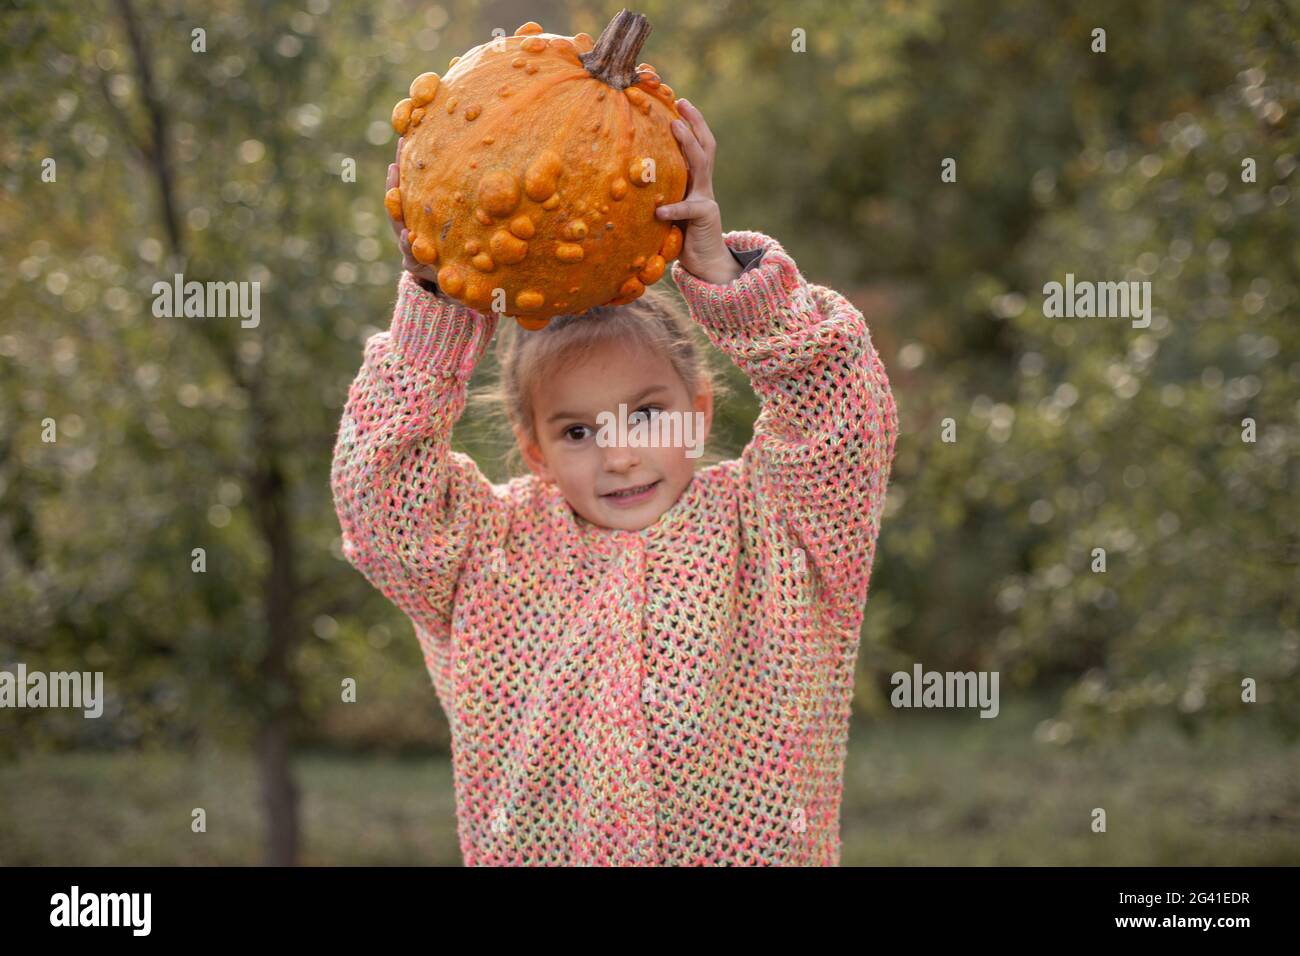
[[641, 662]]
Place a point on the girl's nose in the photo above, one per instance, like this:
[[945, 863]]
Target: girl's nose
[[620, 459]]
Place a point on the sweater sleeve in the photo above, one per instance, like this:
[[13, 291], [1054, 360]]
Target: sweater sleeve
[[823, 443], [410, 508]]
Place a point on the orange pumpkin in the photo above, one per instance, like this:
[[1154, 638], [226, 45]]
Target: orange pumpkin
[[531, 172]]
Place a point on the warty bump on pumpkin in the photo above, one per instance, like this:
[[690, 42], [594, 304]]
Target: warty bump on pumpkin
[[675, 695]]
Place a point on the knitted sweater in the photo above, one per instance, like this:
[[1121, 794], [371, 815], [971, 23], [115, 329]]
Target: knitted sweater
[[674, 695]]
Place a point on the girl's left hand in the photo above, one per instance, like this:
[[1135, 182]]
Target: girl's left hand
[[704, 254]]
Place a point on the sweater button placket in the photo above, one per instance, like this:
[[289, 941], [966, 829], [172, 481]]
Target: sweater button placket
[[642, 833], [626, 560]]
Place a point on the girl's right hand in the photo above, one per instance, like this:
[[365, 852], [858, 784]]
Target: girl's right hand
[[409, 262]]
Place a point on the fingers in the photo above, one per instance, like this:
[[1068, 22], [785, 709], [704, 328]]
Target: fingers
[[691, 145], [698, 145], [409, 262], [392, 181], [694, 153], [698, 126], [697, 208]]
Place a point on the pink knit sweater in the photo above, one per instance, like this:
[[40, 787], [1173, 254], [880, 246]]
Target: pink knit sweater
[[675, 695]]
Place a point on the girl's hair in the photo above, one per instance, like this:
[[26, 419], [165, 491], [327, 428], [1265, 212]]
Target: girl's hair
[[655, 321]]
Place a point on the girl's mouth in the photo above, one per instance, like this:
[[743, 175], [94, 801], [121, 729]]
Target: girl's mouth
[[631, 496]]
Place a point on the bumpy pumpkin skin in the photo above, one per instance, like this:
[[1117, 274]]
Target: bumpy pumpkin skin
[[522, 171]]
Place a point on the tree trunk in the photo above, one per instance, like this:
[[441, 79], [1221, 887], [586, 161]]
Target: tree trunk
[[280, 600], [281, 589]]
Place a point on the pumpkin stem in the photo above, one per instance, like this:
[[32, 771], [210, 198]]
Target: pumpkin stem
[[614, 56]]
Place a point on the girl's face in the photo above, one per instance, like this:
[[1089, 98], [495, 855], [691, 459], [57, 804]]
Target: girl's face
[[588, 467]]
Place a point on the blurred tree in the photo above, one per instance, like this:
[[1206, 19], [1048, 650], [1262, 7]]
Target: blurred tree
[[232, 164], [240, 154]]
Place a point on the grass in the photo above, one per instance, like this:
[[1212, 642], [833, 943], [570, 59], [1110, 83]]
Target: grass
[[921, 788], [944, 788], [95, 809]]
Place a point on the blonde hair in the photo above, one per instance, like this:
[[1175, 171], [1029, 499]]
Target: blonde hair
[[656, 321]]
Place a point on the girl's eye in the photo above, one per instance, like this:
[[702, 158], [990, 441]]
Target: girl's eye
[[568, 432], [651, 409]]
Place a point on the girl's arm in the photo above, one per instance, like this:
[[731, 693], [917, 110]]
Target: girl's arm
[[824, 439], [823, 443], [410, 508]]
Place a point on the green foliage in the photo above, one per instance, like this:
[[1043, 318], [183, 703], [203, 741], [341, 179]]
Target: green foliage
[[1073, 434]]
